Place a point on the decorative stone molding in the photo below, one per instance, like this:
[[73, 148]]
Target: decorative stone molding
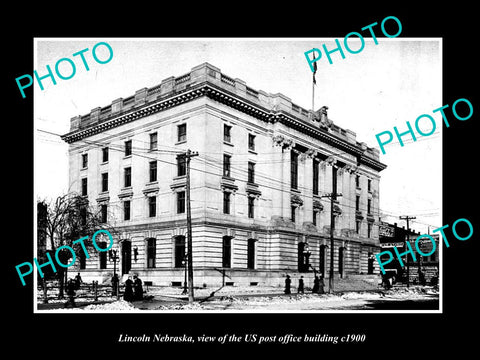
[[282, 141], [296, 200], [317, 205]]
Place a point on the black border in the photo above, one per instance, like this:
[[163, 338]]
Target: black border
[[409, 334]]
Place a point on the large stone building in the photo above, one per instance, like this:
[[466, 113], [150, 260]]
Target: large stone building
[[258, 183]]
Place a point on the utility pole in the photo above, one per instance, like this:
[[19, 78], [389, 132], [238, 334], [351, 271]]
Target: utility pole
[[408, 218], [189, 154], [333, 196]]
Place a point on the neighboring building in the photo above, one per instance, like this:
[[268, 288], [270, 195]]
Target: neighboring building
[[256, 186], [391, 235]]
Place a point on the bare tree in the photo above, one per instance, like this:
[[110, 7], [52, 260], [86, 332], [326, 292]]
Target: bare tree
[[69, 218]]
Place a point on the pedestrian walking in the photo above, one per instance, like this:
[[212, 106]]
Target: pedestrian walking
[[300, 285], [137, 288], [321, 285], [78, 281], [316, 284], [128, 294], [287, 284], [115, 282], [71, 292]]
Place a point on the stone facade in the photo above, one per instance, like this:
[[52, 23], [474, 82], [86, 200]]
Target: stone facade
[[258, 156]]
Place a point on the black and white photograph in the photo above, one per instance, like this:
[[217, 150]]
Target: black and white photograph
[[193, 182], [258, 187]]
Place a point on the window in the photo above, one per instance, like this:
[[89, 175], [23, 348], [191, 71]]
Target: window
[[151, 250], [369, 230], [105, 182], [292, 214], [105, 154], [180, 202], [369, 206], [315, 176], [103, 213], [84, 186], [181, 165], [153, 141], [226, 202], [294, 170], [251, 172], [357, 181], [334, 185], [357, 203], [126, 210], [251, 207], [357, 227], [251, 142], [227, 133], [153, 171], [182, 133], [103, 257], [303, 257], [84, 160], [180, 258], [314, 219], [152, 206], [226, 165], [369, 185], [128, 147], [127, 172], [251, 254], [227, 252]]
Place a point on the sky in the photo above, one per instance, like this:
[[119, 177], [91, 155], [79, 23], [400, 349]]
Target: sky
[[383, 86]]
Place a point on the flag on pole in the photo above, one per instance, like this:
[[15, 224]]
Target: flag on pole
[[314, 69]]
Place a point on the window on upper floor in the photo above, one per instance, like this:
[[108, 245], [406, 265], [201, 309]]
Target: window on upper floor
[[316, 169], [251, 172], [153, 170], [181, 165], [180, 202], [153, 141], [126, 210], [105, 154], [227, 133], [182, 133], [226, 165], [294, 170], [84, 186], [84, 161], [128, 147], [226, 202], [127, 177], [105, 182], [152, 206], [251, 142]]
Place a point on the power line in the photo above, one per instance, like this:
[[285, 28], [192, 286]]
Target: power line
[[214, 163]]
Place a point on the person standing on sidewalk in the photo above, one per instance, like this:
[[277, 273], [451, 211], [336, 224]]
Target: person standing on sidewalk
[[316, 285], [287, 285], [71, 292], [300, 285]]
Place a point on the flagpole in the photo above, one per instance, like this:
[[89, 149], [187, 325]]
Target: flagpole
[[313, 93]]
